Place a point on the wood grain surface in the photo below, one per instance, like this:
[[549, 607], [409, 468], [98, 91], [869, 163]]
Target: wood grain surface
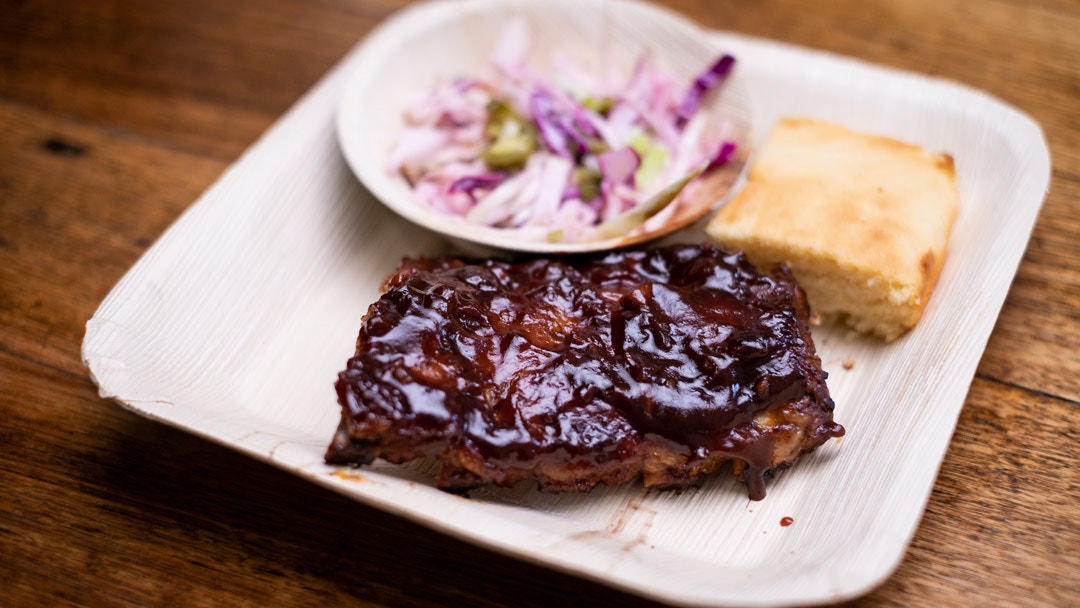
[[116, 114]]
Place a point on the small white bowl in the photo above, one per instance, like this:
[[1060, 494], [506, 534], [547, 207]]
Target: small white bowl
[[437, 41]]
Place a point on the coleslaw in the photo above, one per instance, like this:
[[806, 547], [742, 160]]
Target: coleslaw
[[575, 157]]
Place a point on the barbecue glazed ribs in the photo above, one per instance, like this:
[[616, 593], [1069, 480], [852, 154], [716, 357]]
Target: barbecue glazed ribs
[[666, 363]]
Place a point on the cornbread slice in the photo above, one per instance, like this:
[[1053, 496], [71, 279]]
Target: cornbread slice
[[863, 221]]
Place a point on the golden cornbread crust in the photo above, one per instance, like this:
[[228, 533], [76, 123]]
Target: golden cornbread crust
[[862, 220]]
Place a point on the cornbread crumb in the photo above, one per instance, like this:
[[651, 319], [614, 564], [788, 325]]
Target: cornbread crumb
[[863, 221]]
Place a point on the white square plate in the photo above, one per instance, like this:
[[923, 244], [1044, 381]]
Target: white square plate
[[235, 323]]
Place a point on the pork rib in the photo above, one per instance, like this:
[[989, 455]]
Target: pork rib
[[665, 363]]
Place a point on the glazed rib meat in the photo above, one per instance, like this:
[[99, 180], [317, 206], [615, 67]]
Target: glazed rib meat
[[666, 363]]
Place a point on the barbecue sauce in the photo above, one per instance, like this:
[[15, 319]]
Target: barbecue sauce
[[585, 359]]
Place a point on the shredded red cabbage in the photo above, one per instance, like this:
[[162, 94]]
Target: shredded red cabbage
[[705, 82], [722, 157], [481, 181], [555, 129]]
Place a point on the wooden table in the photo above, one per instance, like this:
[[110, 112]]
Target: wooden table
[[115, 115]]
